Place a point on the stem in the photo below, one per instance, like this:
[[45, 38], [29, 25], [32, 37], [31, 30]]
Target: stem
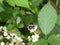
[[57, 1], [12, 42], [31, 43], [46, 39], [54, 5]]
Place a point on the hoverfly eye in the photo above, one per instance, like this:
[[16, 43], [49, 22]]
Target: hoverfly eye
[[30, 27]]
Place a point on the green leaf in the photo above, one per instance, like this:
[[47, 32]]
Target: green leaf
[[47, 18], [21, 25], [58, 20], [17, 31], [1, 9], [22, 3], [1, 1], [36, 3], [40, 42], [28, 19], [54, 40], [11, 2], [10, 26], [9, 21], [56, 30], [15, 12], [5, 16], [0, 18]]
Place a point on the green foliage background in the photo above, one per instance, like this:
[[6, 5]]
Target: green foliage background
[[41, 12]]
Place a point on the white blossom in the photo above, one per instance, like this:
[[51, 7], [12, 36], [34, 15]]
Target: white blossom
[[32, 30], [5, 33], [18, 20], [14, 40], [19, 38], [1, 28], [8, 37], [5, 29], [35, 38], [23, 43], [27, 12], [29, 38], [2, 43], [10, 44]]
